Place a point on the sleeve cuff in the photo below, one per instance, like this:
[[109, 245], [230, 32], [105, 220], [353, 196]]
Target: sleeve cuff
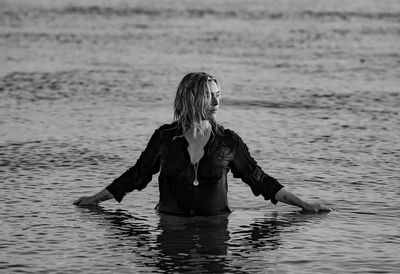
[[117, 193]]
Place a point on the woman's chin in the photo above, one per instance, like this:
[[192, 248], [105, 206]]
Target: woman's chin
[[212, 116]]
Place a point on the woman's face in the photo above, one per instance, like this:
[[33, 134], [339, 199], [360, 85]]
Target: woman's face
[[215, 96]]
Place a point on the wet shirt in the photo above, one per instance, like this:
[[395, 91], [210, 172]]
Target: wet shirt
[[180, 192]]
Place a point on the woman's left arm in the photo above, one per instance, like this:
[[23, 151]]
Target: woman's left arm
[[245, 167], [289, 198]]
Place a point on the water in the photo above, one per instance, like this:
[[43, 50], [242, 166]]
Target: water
[[311, 86]]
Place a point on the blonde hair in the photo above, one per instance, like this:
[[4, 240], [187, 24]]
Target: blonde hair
[[192, 101]]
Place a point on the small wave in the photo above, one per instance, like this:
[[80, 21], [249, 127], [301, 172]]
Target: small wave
[[171, 12], [107, 11], [234, 12], [252, 103], [34, 86], [43, 37], [49, 155], [163, 11], [77, 85], [370, 102], [395, 16], [241, 12]]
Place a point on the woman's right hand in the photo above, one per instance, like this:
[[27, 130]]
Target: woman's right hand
[[87, 200]]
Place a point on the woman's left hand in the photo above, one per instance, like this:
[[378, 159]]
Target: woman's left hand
[[87, 200], [318, 208]]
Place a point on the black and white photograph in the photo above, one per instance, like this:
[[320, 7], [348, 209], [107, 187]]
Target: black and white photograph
[[199, 136]]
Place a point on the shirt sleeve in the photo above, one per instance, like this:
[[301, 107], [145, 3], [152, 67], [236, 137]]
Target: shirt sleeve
[[243, 166], [138, 176]]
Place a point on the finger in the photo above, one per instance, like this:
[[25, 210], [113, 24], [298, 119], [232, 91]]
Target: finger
[[325, 209], [310, 211]]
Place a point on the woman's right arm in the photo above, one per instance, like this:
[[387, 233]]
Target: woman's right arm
[[137, 177]]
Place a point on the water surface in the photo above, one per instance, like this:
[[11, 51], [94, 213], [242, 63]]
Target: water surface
[[311, 87]]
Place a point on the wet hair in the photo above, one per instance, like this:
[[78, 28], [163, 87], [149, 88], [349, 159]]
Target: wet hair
[[192, 101]]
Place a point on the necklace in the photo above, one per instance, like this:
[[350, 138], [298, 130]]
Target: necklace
[[196, 166]]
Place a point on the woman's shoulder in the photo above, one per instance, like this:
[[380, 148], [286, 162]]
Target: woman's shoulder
[[173, 125], [169, 130], [229, 137], [225, 132]]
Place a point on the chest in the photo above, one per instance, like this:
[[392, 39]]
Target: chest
[[179, 158], [196, 145], [195, 151]]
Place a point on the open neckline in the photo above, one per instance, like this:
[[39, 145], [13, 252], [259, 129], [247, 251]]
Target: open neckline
[[204, 148]]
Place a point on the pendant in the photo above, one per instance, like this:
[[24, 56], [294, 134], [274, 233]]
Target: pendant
[[196, 183]]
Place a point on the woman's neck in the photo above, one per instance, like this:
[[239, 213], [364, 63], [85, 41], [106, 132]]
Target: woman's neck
[[205, 126]]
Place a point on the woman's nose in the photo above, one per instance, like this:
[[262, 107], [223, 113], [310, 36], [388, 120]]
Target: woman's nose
[[214, 101]]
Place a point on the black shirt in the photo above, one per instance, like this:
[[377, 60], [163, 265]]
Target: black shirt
[[167, 153]]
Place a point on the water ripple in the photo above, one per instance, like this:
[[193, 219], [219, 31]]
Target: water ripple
[[49, 155]]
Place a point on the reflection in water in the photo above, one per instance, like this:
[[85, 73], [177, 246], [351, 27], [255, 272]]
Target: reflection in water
[[265, 233], [262, 233], [197, 243], [189, 244]]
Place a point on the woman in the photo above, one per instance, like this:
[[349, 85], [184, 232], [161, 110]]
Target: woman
[[193, 156]]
